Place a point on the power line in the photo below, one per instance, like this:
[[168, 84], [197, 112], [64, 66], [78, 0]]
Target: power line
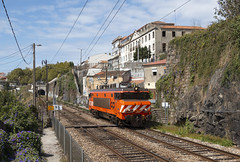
[[174, 10], [13, 54], [106, 27], [14, 61], [13, 32], [102, 26], [70, 30], [25, 57]]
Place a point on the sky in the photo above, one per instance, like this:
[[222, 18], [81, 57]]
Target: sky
[[48, 23]]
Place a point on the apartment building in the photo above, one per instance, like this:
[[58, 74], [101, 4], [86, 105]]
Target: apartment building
[[155, 36]]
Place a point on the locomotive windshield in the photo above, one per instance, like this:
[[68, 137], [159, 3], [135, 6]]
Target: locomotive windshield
[[132, 95]]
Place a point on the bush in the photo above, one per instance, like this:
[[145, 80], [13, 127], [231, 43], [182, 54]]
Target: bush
[[25, 139], [28, 154], [5, 149]]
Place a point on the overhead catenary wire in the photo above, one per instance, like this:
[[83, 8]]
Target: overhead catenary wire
[[70, 30], [13, 32], [106, 27], [101, 27], [174, 10]]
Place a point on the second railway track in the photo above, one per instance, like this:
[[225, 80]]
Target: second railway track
[[133, 152]]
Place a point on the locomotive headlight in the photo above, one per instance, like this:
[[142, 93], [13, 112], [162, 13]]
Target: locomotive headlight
[[136, 88]]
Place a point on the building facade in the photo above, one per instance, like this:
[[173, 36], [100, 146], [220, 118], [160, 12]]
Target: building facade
[[155, 36], [152, 73], [113, 79]]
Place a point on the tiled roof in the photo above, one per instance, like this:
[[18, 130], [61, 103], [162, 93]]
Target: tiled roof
[[156, 63], [137, 82], [182, 27], [110, 73]]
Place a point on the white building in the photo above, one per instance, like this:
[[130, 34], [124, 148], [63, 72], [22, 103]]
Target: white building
[[155, 36]]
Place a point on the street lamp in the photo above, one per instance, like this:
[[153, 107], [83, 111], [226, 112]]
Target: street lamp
[[34, 74]]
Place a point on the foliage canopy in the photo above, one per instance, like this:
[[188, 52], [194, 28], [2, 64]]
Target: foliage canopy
[[24, 76]]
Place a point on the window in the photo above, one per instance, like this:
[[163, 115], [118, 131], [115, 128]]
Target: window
[[149, 37], [142, 39], [104, 94], [153, 34], [145, 38], [173, 33], [164, 47], [132, 95], [149, 84], [183, 33], [154, 71], [149, 47], [153, 47], [163, 33]]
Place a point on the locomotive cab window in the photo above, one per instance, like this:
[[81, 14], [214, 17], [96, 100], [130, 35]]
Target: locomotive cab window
[[90, 95]]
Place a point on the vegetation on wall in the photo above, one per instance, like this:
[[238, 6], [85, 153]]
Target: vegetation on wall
[[202, 53], [67, 87]]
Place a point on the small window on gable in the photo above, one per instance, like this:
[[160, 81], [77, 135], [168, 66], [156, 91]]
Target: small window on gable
[[154, 71]]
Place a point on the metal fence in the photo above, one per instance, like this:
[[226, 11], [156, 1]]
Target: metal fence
[[71, 148]]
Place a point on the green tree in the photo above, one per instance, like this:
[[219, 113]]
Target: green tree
[[15, 75], [228, 8], [144, 53]]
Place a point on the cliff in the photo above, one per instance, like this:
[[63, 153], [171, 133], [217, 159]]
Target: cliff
[[203, 80]]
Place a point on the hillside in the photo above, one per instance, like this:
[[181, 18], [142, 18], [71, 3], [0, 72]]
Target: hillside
[[202, 84]]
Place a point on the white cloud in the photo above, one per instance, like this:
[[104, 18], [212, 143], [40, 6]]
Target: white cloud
[[49, 22]]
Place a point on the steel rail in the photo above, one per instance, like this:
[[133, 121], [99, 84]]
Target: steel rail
[[105, 145], [174, 146], [198, 144], [137, 146]]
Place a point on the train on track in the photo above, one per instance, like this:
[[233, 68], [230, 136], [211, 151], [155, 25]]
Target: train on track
[[123, 106]]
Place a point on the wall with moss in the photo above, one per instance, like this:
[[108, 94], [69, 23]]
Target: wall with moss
[[203, 78]]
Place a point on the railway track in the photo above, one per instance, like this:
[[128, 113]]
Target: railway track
[[188, 147], [122, 149], [173, 143]]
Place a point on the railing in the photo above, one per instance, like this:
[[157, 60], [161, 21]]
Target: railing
[[71, 148]]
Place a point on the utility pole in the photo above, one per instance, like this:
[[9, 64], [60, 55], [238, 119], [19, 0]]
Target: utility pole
[[34, 77], [106, 81], [45, 62], [81, 58]]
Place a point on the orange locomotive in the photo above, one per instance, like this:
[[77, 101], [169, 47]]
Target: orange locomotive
[[123, 106]]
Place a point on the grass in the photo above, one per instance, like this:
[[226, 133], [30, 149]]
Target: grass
[[187, 131]]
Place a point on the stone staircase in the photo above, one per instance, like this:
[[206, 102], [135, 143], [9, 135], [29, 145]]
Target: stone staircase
[[159, 115]]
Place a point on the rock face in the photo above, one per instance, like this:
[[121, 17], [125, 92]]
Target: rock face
[[214, 109]]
